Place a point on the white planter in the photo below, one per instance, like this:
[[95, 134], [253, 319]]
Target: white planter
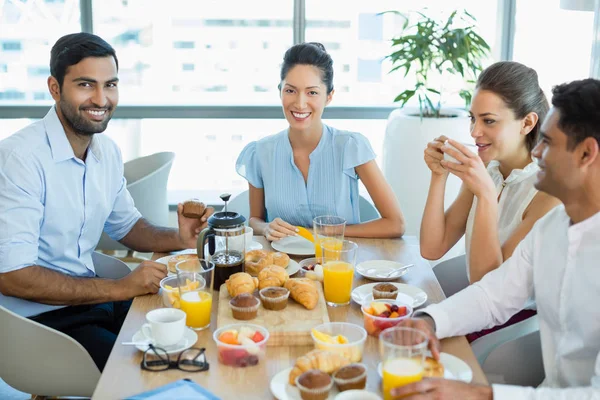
[[406, 137]]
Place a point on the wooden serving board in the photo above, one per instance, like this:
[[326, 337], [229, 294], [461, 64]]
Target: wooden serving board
[[288, 327]]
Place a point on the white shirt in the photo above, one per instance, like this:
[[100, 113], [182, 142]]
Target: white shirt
[[54, 206], [515, 192], [559, 265]]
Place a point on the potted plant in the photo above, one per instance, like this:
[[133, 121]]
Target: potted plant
[[438, 59]]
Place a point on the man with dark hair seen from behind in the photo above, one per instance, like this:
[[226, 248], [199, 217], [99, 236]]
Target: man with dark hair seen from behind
[[557, 264], [61, 185]]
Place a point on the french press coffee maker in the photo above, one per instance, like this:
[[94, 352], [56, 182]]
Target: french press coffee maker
[[226, 244]]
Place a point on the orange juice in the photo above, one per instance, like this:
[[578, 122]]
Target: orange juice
[[331, 246], [400, 372], [337, 281], [197, 305]]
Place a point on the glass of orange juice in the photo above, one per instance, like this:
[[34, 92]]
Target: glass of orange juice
[[403, 354], [195, 286], [328, 233], [338, 271]]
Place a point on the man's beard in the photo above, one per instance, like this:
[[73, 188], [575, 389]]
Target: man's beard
[[79, 123]]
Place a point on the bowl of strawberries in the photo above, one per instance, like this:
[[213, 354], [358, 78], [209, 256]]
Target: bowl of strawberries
[[241, 345], [382, 314]]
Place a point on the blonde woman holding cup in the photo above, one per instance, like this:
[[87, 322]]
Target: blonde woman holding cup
[[497, 205]]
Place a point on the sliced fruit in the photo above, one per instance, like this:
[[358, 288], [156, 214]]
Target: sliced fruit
[[402, 311], [340, 339], [323, 337], [249, 345], [246, 332], [258, 337], [379, 308], [394, 315], [229, 337], [305, 233]]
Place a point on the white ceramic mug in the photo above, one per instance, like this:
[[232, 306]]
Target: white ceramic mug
[[248, 236], [165, 327], [472, 147]]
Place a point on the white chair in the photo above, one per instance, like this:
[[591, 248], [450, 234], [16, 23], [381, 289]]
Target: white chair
[[452, 275], [38, 359], [512, 355], [147, 179], [241, 205]]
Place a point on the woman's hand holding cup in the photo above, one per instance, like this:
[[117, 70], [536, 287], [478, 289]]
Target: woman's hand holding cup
[[434, 155]]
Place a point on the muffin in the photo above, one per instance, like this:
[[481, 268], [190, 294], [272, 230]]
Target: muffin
[[385, 291], [193, 208], [353, 376], [314, 385], [244, 306], [274, 298]]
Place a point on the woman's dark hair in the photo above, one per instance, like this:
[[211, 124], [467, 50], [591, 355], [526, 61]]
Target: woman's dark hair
[[517, 85], [311, 53], [578, 104], [71, 49]]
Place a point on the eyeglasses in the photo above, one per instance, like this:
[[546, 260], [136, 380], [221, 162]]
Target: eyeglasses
[[190, 360]]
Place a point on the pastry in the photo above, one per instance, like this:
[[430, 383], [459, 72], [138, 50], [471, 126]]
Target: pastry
[[274, 298], [314, 385], [241, 282], [272, 276], [304, 291], [323, 360], [385, 291], [244, 306], [353, 376], [172, 263], [433, 368], [256, 260], [193, 208], [281, 259]]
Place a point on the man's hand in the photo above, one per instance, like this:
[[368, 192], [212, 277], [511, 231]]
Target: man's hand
[[189, 228], [144, 279], [442, 389], [427, 327]]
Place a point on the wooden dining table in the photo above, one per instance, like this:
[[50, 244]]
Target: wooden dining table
[[123, 376]]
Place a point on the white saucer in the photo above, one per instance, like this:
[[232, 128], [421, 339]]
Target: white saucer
[[296, 245], [282, 390], [364, 293], [454, 368], [190, 337], [376, 270], [292, 267]]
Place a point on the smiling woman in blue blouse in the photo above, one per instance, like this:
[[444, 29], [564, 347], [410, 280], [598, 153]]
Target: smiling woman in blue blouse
[[312, 169]]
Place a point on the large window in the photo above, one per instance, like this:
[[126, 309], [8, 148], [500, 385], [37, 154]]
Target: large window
[[557, 43]]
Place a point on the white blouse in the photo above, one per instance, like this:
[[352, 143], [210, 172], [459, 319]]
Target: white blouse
[[516, 192]]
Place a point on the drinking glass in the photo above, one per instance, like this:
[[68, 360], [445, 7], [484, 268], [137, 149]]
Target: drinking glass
[[328, 233], [403, 354], [338, 272], [195, 287]]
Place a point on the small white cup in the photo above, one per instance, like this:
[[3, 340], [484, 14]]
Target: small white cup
[[356, 394], [248, 235], [472, 147], [165, 327]]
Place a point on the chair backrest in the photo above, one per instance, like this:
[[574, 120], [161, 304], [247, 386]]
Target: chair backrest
[[109, 267], [147, 179], [40, 360], [241, 205], [512, 355], [452, 275]]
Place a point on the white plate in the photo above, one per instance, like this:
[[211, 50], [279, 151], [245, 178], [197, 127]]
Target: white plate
[[189, 339], [291, 268], [364, 293], [454, 368], [376, 270], [296, 245], [282, 390]]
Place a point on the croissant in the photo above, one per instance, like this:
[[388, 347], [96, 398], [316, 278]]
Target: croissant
[[241, 282], [272, 276], [304, 291], [323, 360]]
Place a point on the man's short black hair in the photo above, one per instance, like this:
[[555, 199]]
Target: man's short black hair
[[578, 103], [71, 49]]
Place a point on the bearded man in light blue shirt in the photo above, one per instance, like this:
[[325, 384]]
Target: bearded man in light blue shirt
[[61, 185]]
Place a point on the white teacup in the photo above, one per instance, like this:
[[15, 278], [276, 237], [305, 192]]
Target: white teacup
[[248, 235], [472, 147], [165, 327]]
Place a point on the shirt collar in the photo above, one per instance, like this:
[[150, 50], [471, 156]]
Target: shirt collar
[[516, 175], [59, 144], [588, 224], [316, 151]]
